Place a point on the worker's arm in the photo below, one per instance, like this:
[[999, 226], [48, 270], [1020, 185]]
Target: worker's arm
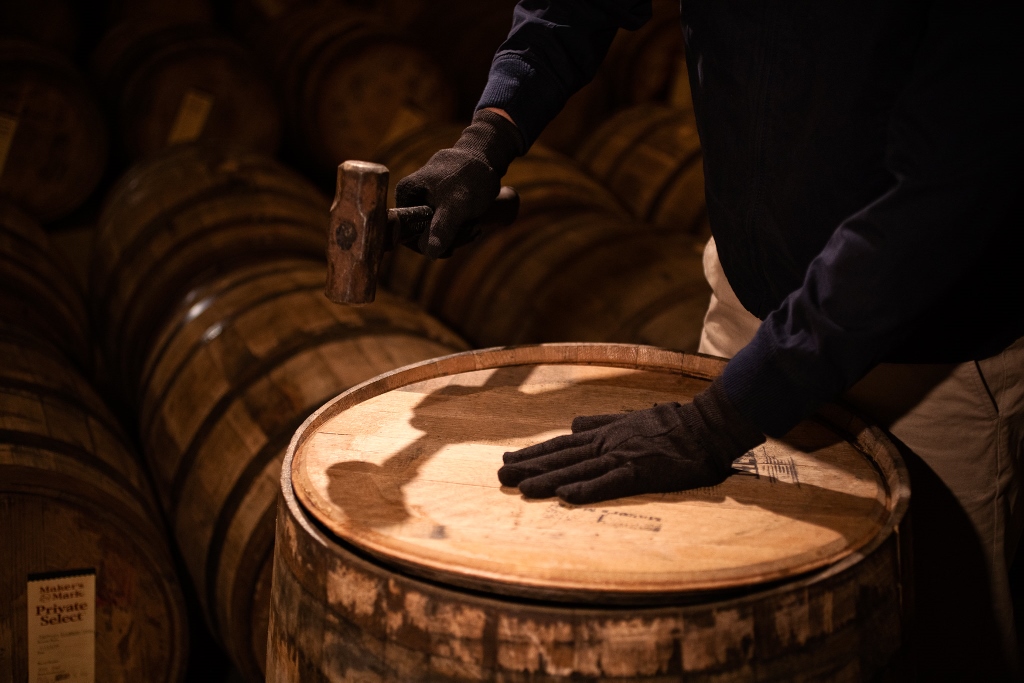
[[953, 159], [953, 156], [553, 50]]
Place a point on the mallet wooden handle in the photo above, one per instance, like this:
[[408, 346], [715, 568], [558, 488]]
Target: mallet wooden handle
[[362, 229]]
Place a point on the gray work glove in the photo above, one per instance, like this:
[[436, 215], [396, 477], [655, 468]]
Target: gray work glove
[[669, 447], [461, 182]]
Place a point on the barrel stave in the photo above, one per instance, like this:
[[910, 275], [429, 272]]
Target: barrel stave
[[333, 611], [73, 496], [347, 607], [228, 381]]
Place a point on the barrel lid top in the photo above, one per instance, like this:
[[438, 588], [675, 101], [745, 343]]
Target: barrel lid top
[[404, 467]]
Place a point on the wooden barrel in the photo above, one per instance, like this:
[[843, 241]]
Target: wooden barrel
[[546, 181], [462, 35], [573, 266], [650, 157], [168, 85], [649, 65], [400, 558], [37, 292], [573, 276], [344, 76], [53, 144], [646, 65], [585, 111], [181, 219], [74, 501], [229, 380]]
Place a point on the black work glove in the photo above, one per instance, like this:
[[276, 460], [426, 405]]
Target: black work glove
[[461, 182], [669, 447]]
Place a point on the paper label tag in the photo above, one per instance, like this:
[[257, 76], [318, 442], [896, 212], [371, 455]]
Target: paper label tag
[[8, 125], [62, 627], [191, 117]]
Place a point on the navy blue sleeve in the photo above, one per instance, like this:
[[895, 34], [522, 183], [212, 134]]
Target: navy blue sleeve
[[953, 154], [553, 50]]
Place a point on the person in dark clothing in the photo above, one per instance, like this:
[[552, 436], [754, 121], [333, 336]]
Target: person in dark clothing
[[861, 169]]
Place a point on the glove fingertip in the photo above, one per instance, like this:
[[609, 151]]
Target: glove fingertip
[[509, 476], [535, 487], [574, 494]]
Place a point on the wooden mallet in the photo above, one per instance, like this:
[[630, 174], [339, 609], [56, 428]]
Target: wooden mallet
[[362, 228]]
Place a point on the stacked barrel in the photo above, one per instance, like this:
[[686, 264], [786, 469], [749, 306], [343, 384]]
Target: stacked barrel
[[207, 280], [74, 498], [172, 158], [579, 263]]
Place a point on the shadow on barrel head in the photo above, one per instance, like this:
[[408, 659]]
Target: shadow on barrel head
[[378, 500]]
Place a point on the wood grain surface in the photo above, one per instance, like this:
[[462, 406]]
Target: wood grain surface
[[226, 382], [38, 292], [180, 219], [74, 496], [409, 476], [398, 557]]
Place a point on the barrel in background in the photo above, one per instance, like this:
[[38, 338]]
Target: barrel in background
[[184, 217], [224, 392], [73, 495], [53, 141], [547, 182], [225, 344], [649, 156], [183, 83], [572, 267], [344, 77], [38, 293]]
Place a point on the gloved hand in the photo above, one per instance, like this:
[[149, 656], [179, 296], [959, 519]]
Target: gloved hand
[[669, 447], [460, 183]]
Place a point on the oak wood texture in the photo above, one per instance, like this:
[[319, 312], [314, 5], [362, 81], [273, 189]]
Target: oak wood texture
[[231, 374], [37, 291], [184, 83], [399, 557], [73, 496], [358, 232], [343, 76], [649, 156], [182, 218], [52, 137]]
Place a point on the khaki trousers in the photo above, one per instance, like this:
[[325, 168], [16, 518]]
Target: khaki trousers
[[961, 430]]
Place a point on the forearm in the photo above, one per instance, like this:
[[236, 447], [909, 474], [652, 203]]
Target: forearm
[[553, 49], [952, 160]]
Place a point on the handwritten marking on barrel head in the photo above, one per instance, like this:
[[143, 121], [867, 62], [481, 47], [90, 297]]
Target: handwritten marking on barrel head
[[773, 468]]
